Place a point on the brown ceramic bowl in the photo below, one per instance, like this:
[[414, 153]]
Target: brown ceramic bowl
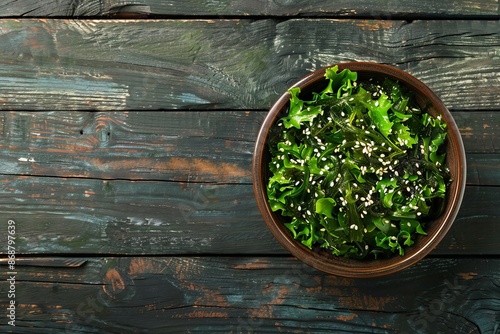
[[436, 229]]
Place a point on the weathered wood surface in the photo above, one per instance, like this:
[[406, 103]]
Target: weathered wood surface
[[254, 295], [231, 64], [342, 8], [130, 142], [185, 146], [58, 215]]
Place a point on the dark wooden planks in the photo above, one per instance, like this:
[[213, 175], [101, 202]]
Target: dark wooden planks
[[261, 294], [78, 215], [225, 64], [123, 217], [180, 146], [341, 8], [185, 146]]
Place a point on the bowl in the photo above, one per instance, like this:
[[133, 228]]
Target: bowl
[[436, 229]]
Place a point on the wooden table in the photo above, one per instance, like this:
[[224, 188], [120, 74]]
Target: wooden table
[[126, 136]]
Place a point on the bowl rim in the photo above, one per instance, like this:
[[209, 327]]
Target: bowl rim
[[378, 267]]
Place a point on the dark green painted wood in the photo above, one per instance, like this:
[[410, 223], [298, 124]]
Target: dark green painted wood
[[226, 64], [88, 165], [338, 8], [180, 146], [58, 215], [184, 146], [257, 295]]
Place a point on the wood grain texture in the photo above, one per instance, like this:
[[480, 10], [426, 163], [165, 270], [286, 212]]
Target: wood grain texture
[[183, 146], [341, 8], [190, 146], [230, 64], [258, 295], [77, 215]]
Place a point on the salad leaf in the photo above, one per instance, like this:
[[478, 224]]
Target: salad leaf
[[359, 170]]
